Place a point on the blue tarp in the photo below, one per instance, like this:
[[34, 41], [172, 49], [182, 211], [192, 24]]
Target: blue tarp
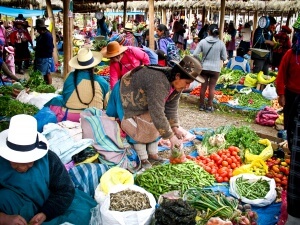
[[27, 13], [121, 13]]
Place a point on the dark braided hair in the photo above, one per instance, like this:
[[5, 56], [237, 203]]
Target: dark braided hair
[[91, 73]]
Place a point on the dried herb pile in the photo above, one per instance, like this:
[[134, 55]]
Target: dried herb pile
[[129, 200]]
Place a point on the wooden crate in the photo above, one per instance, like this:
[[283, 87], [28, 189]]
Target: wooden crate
[[276, 143]]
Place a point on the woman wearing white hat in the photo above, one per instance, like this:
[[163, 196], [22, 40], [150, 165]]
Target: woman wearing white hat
[[35, 187], [82, 88]]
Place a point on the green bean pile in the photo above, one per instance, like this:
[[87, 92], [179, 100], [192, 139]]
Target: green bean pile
[[169, 177], [252, 190]]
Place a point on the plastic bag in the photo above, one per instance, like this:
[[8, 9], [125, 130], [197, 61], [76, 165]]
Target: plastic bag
[[115, 176], [95, 216], [128, 217], [270, 92], [267, 200], [257, 167], [43, 117], [249, 81], [264, 155]]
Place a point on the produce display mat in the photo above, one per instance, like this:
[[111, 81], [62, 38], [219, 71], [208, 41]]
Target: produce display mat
[[267, 215]]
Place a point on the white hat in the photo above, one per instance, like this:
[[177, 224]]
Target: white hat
[[21, 143], [85, 59]]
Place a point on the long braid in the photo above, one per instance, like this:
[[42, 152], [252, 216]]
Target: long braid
[[92, 83]]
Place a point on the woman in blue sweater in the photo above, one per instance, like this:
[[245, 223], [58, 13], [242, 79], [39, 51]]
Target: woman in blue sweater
[[35, 187]]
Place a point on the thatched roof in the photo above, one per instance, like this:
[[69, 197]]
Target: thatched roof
[[96, 5], [252, 5]]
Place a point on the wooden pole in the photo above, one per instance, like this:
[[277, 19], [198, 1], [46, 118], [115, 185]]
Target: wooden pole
[[124, 12], [151, 24], [67, 38], [164, 16], [222, 17], [53, 31], [203, 15]]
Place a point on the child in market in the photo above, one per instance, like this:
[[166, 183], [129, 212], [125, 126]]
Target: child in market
[[10, 58]]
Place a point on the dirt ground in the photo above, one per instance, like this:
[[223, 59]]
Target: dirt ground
[[191, 117]]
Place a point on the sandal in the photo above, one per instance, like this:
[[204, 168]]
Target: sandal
[[146, 164]]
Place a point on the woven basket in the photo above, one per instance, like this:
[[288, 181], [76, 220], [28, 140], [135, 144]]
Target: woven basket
[[260, 52]]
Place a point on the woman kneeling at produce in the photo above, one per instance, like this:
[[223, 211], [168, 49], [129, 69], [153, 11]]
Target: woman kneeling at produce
[[82, 89], [35, 187], [155, 90]]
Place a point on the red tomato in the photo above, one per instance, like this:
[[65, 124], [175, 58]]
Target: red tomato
[[219, 179], [233, 165], [229, 160], [225, 179], [224, 163], [231, 148]]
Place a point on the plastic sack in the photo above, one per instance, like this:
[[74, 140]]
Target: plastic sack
[[264, 155], [95, 216], [249, 81], [43, 117], [128, 217], [115, 176], [267, 200], [270, 92], [258, 167]]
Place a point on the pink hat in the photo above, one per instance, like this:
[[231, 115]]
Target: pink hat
[[10, 49]]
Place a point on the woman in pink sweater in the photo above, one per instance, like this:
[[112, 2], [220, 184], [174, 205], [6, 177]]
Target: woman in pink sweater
[[123, 59]]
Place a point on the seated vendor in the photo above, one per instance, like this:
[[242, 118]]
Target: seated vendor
[[239, 62], [82, 89], [35, 187]]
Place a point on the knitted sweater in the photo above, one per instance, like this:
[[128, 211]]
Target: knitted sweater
[[288, 76], [61, 188], [212, 58], [149, 90]]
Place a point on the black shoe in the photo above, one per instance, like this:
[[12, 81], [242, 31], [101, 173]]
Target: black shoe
[[209, 109], [202, 108]]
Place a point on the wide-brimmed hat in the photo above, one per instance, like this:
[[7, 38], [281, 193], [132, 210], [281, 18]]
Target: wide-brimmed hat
[[113, 49], [20, 19], [191, 67], [26, 24], [85, 59], [40, 23], [128, 27], [196, 37], [10, 49], [21, 143], [297, 23]]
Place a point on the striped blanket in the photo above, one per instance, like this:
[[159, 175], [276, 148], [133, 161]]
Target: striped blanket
[[113, 151]]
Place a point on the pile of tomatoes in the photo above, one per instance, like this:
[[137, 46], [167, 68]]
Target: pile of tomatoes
[[279, 169], [221, 163], [103, 70]]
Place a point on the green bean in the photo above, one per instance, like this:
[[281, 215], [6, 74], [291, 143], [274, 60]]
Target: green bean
[[164, 178]]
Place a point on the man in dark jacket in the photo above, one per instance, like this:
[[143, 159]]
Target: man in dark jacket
[[43, 51], [263, 39]]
